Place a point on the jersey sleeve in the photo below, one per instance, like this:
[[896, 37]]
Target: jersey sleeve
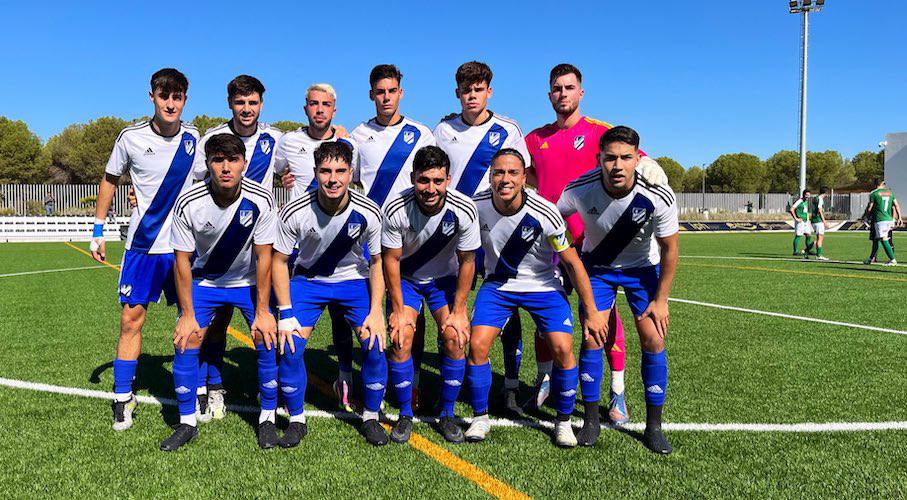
[[518, 142], [470, 238], [556, 232], [118, 162], [373, 235], [281, 161], [181, 237], [199, 167], [666, 219], [427, 139], [266, 230], [566, 205], [797, 204], [391, 234], [287, 232]]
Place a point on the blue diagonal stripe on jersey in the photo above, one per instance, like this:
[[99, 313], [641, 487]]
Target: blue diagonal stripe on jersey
[[432, 246], [392, 163], [261, 158], [477, 166], [344, 243], [623, 231], [516, 249], [231, 242], [162, 204]]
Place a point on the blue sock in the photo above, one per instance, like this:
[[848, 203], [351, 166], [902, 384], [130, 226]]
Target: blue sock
[[655, 377], [374, 375], [343, 339], [479, 377], [267, 376], [512, 341], [185, 378], [123, 375], [452, 371], [563, 388], [292, 376], [591, 369], [401, 377], [213, 356]]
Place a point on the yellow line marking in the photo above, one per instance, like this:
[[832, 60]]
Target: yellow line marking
[[482, 479], [86, 252], [792, 271]]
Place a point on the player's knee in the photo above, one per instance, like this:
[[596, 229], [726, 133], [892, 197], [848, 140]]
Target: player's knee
[[131, 321], [562, 350], [450, 349], [651, 342], [401, 352], [478, 350]]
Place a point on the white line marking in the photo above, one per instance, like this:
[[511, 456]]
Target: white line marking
[[781, 259], [500, 422], [26, 273]]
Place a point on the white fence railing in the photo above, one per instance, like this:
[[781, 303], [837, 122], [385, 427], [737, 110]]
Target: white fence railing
[[849, 206]]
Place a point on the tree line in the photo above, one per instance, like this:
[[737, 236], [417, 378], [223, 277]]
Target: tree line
[[78, 155]]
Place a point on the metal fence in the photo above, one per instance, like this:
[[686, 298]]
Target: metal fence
[[848, 206], [72, 199]]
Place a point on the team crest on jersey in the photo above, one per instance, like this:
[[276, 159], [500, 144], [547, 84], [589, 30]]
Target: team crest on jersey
[[245, 218], [353, 229], [265, 146], [447, 227], [409, 137], [494, 138], [527, 233], [578, 142], [189, 146], [639, 215]]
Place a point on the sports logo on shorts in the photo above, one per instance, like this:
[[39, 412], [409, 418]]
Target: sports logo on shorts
[[527, 233], [409, 137], [126, 290], [494, 138], [189, 146], [245, 218], [265, 146], [353, 229], [447, 227], [639, 215], [578, 142]]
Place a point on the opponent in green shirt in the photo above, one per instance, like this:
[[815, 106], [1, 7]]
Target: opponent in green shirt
[[817, 218], [799, 210], [885, 216]]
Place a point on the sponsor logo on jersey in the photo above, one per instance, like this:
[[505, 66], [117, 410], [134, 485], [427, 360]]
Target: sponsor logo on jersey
[[527, 233], [578, 142], [311, 230], [126, 290], [265, 146], [485, 227], [409, 137], [353, 229], [639, 215], [189, 146], [593, 211], [454, 139], [447, 227], [149, 151], [245, 218], [370, 139], [208, 227], [303, 150], [544, 145], [494, 138]]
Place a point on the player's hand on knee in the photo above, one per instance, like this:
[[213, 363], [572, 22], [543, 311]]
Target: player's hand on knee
[[265, 328], [374, 330], [658, 311], [288, 181], [186, 327], [460, 325], [286, 328], [595, 327]]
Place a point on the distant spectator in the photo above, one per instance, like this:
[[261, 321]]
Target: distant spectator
[[111, 215], [49, 204]]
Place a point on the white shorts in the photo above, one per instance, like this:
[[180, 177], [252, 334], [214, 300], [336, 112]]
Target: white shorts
[[803, 228], [819, 228], [883, 228]]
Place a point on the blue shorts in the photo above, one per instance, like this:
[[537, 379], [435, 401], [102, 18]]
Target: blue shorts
[[550, 310], [207, 299], [310, 297], [639, 284], [143, 276], [439, 293]]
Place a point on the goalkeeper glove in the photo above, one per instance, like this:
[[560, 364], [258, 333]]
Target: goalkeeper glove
[[651, 171]]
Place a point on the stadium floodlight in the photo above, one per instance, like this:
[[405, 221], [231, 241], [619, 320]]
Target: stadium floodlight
[[804, 7]]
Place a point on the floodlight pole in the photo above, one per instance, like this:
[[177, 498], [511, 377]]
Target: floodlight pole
[[805, 35]]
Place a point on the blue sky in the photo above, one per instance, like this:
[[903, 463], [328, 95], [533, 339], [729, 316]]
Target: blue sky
[[695, 78]]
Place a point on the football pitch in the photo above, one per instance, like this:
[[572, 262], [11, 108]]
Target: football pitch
[[787, 379]]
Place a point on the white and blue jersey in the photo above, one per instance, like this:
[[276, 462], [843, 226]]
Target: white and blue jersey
[[330, 246], [470, 148], [385, 159], [520, 248], [222, 237], [296, 152], [161, 169], [260, 152], [620, 247]]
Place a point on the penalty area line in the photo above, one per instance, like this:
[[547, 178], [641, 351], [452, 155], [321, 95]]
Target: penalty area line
[[804, 427], [46, 271]]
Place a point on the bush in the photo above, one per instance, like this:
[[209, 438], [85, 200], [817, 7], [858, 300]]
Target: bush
[[34, 207], [89, 200], [5, 211]]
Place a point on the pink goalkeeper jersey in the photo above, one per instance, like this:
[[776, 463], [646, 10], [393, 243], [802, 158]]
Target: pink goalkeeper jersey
[[561, 156]]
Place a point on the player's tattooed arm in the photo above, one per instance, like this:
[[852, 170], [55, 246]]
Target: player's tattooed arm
[[397, 322], [264, 327], [458, 319], [595, 323], [186, 325], [658, 307], [106, 190], [374, 328]]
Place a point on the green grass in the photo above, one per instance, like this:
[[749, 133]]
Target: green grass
[[726, 367]]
